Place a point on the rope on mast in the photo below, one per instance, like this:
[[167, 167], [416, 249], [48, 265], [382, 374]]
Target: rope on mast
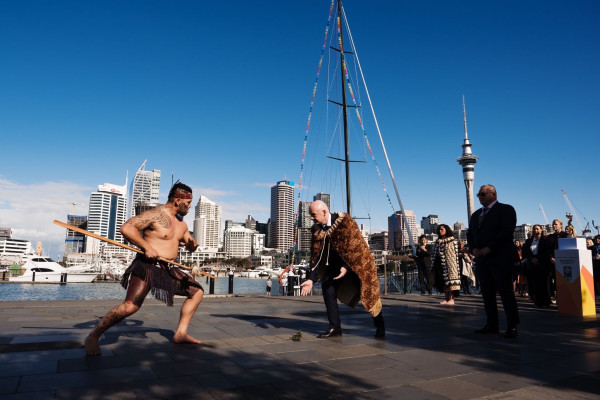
[[312, 102], [410, 238]]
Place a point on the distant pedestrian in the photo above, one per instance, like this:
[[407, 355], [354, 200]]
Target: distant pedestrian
[[269, 285], [490, 239], [423, 261], [467, 276]]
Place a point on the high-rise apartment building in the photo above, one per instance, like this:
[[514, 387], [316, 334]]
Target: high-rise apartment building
[[397, 232], [75, 241], [107, 212], [145, 189], [282, 216], [207, 223], [304, 226]]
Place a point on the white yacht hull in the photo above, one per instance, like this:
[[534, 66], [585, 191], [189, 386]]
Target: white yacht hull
[[54, 277], [39, 269]]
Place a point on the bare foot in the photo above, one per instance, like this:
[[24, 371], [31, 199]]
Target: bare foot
[[443, 302], [185, 339], [91, 346], [449, 302]]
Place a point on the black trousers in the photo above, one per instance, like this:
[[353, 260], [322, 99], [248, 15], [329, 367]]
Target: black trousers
[[425, 281], [542, 277], [498, 278], [330, 288]]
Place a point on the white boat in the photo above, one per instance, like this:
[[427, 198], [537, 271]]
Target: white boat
[[115, 271], [258, 272], [42, 269]]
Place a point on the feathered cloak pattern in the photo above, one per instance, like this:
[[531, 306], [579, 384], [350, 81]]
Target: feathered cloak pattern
[[447, 252], [346, 239]]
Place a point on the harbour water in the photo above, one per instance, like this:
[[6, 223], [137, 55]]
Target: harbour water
[[107, 291]]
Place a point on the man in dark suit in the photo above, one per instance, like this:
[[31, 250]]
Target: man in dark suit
[[490, 236]]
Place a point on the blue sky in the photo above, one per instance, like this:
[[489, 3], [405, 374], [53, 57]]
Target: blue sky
[[217, 94]]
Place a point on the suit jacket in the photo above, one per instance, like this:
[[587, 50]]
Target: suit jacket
[[331, 259], [544, 254], [423, 257], [495, 232]]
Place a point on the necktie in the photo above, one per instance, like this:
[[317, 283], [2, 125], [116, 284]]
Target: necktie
[[482, 215]]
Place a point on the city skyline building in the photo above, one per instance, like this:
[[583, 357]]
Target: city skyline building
[[467, 161], [107, 213], [282, 216], [251, 223], [324, 197], [304, 226], [145, 190], [397, 232], [238, 241], [378, 241], [11, 250], [430, 224], [207, 224], [522, 231], [75, 241]]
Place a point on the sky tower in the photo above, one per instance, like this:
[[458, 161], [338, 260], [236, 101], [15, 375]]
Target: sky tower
[[468, 160]]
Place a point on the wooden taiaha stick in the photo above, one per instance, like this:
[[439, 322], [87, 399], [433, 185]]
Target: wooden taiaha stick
[[104, 239]]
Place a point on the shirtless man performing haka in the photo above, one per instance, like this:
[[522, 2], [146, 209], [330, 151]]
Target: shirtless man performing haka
[[158, 232]]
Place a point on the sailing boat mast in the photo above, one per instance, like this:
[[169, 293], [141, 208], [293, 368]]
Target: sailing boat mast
[[344, 107]]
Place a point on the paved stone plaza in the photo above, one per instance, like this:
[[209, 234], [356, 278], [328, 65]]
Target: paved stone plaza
[[430, 352]]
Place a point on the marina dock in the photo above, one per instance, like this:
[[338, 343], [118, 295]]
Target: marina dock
[[249, 352]]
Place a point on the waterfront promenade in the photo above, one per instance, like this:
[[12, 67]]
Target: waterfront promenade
[[430, 352]]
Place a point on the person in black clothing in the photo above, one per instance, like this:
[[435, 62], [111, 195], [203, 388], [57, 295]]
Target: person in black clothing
[[596, 263], [465, 262], [490, 240], [340, 258], [557, 225], [538, 252], [423, 261]]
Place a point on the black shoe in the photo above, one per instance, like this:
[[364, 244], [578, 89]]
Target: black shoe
[[331, 332], [511, 333], [380, 332], [488, 329]]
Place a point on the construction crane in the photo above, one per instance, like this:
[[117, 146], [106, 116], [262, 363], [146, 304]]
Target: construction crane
[[75, 206], [585, 230], [544, 214]]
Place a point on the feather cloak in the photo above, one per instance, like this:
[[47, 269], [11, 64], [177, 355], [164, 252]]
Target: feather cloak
[[346, 239]]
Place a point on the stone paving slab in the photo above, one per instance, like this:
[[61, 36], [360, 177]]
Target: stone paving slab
[[430, 352]]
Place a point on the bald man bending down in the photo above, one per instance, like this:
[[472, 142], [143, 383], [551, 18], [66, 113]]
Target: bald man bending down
[[340, 257]]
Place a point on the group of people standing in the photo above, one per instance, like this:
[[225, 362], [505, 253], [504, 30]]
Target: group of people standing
[[446, 266], [491, 250], [535, 273]]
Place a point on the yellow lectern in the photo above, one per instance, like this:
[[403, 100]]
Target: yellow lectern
[[574, 278]]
